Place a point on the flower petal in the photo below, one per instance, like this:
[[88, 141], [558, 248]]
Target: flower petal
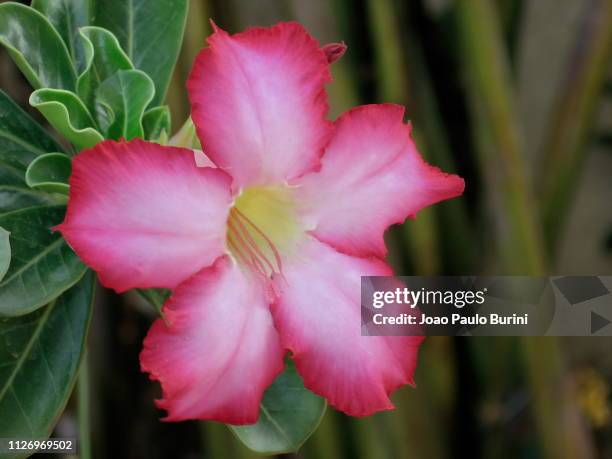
[[259, 102], [318, 318], [202, 160], [143, 215], [371, 177], [219, 351], [334, 51]]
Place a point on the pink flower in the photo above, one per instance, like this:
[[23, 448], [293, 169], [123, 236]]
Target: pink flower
[[264, 249]]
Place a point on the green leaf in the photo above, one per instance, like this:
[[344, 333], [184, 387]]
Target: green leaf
[[15, 194], [21, 138], [151, 33], [5, 252], [157, 124], [42, 265], [21, 141], [104, 58], [36, 47], [156, 297], [50, 173], [289, 415], [67, 114], [67, 16], [39, 360], [186, 136], [125, 95]]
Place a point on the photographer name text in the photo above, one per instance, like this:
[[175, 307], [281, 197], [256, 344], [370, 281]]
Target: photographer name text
[[454, 319]]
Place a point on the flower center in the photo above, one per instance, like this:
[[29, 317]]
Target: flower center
[[262, 226]]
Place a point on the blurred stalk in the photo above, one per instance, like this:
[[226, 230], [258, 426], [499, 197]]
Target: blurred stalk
[[458, 238], [83, 410], [497, 367], [196, 31], [565, 149], [423, 411], [489, 84], [371, 439], [342, 92], [388, 52], [325, 441], [560, 424], [488, 78], [492, 356], [421, 234], [509, 14]]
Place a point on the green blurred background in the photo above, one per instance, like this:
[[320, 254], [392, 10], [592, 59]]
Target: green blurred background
[[516, 97]]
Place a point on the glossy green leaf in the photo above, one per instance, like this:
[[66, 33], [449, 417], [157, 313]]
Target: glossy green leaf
[[67, 114], [157, 124], [289, 415], [103, 59], [50, 173], [15, 194], [42, 264], [67, 16], [5, 252], [36, 47], [21, 141], [126, 95], [151, 33], [39, 360], [21, 138]]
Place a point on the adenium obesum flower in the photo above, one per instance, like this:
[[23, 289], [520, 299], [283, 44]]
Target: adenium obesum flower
[[264, 247]]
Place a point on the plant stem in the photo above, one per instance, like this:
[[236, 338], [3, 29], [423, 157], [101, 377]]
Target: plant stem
[[458, 240], [560, 425], [488, 78], [196, 31], [389, 57], [492, 98], [567, 139], [325, 442], [83, 410]]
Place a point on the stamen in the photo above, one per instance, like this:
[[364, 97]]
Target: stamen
[[250, 261], [262, 234], [248, 251], [250, 241]]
